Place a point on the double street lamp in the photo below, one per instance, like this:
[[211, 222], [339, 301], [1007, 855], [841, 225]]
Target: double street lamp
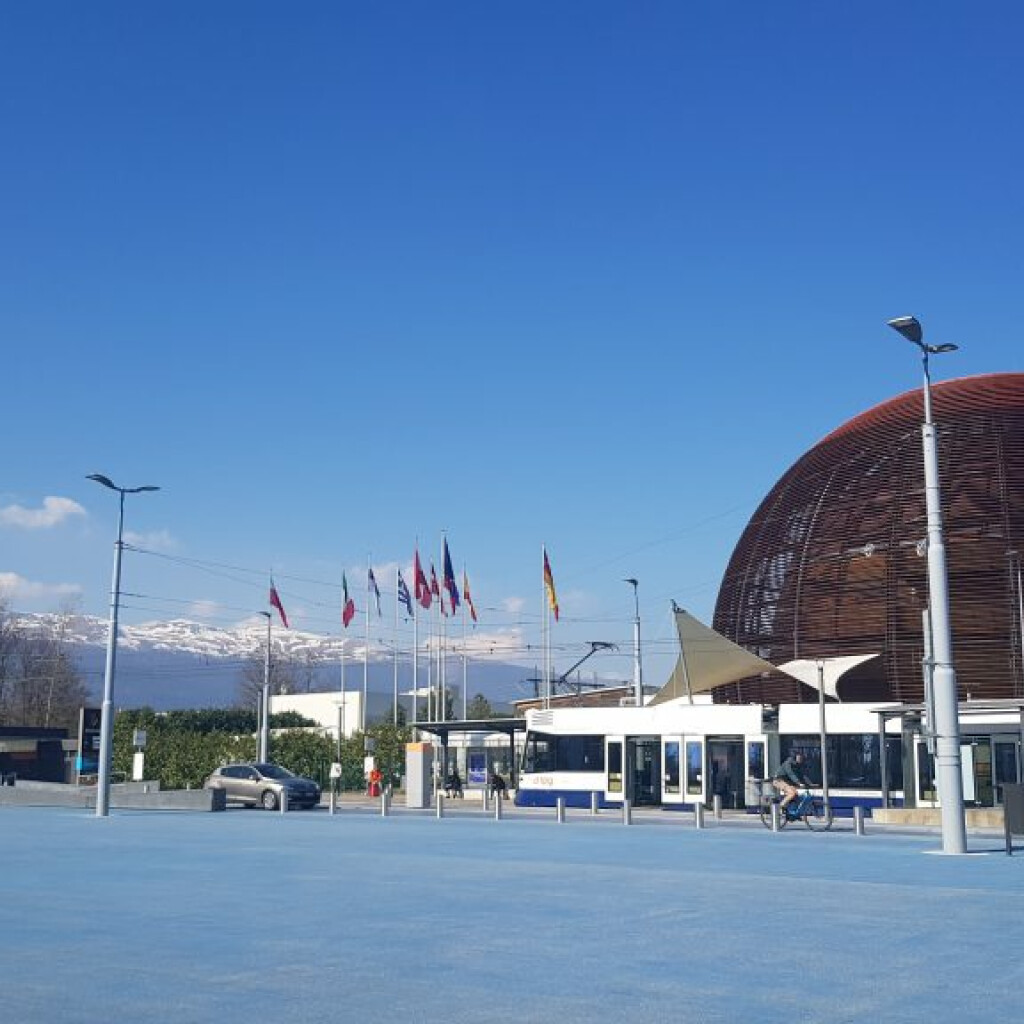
[[106, 713], [946, 726]]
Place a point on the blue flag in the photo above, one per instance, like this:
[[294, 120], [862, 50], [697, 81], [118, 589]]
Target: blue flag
[[403, 594], [449, 578], [371, 584]]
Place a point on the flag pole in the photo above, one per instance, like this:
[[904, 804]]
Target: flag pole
[[415, 660], [395, 649], [366, 645], [465, 690], [546, 628]]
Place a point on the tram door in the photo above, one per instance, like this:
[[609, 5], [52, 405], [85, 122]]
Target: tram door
[[643, 779], [615, 768], [672, 770], [1005, 763], [756, 767], [696, 782]]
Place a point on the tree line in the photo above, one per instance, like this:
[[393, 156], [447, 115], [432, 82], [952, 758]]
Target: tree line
[[40, 684]]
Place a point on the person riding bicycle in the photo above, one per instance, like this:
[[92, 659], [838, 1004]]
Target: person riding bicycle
[[789, 776]]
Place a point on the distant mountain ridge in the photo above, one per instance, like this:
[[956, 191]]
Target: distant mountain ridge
[[178, 664]]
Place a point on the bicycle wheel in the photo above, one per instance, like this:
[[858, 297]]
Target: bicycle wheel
[[766, 813], [818, 817]]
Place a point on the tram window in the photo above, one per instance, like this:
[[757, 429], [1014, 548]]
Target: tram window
[[694, 768], [672, 767], [755, 759], [853, 759], [538, 753], [615, 767]]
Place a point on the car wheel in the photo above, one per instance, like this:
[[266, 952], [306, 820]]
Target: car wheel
[[269, 800]]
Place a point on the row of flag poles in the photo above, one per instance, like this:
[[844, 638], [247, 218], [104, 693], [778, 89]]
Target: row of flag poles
[[427, 593]]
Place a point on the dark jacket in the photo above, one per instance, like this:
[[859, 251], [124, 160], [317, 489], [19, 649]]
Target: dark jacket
[[792, 772]]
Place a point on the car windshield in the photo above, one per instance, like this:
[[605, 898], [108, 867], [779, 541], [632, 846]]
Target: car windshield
[[273, 771]]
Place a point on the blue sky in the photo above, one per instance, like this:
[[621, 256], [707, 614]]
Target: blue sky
[[593, 276]]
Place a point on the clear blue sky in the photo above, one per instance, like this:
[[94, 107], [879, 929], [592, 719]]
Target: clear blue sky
[[590, 275]]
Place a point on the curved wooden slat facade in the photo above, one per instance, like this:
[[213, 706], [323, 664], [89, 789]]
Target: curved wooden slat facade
[[833, 561]]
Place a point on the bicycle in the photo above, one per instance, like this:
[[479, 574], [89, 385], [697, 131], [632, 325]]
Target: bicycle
[[807, 807]]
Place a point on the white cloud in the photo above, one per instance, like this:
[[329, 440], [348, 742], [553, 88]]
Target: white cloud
[[513, 605], [155, 540], [19, 589], [54, 511], [204, 609]]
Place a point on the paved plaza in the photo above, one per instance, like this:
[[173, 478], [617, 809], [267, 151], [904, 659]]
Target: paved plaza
[[249, 916]]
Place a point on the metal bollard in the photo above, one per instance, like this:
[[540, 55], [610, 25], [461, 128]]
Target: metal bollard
[[858, 820], [698, 815], [716, 804], [284, 801], [776, 817], [486, 800], [334, 800], [497, 807], [560, 810], [440, 805], [385, 804], [627, 813], [595, 801]]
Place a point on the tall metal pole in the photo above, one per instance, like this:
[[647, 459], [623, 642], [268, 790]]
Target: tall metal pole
[[947, 723], [265, 699], [1015, 559], [638, 671], [824, 733], [106, 708]]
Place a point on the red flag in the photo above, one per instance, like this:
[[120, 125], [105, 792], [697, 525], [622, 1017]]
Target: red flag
[[420, 583], [436, 590], [348, 606], [275, 602], [467, 596]]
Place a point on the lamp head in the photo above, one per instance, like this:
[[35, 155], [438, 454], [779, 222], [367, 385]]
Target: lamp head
[[632, 582], [105, 480], [139, 490], [909, 327]]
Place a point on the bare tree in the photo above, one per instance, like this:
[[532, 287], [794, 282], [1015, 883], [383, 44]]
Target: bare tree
[[39, 682], [254, 676]]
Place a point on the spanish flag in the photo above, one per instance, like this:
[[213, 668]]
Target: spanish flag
[[549, 585]]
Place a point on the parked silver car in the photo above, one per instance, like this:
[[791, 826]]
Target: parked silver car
[[263, 784]]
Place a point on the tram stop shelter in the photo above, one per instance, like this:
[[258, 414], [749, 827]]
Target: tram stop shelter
[[999, 719], [509, 727]]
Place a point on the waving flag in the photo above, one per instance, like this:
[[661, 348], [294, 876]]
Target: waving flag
[[466, 596], [275, 602], [449, 578], [348, 606], [403, 594], [371, 585], [549, 585], [436, 590], [419, 583]]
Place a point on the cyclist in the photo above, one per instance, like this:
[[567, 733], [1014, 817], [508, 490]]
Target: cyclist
[[789, 776]]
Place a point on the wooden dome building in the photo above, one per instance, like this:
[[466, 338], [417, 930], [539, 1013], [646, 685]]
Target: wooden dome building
[[834, 562]]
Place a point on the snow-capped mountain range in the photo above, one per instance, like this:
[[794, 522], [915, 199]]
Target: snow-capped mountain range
[[177, 664]]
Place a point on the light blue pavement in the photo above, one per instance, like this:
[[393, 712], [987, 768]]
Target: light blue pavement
[[251, 917]]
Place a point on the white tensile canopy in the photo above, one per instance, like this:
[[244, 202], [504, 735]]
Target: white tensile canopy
[[833, 669], [707, 659]]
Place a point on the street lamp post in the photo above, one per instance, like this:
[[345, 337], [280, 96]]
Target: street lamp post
[[106, 712], [263, 730], [947, 724], [638, 672]]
